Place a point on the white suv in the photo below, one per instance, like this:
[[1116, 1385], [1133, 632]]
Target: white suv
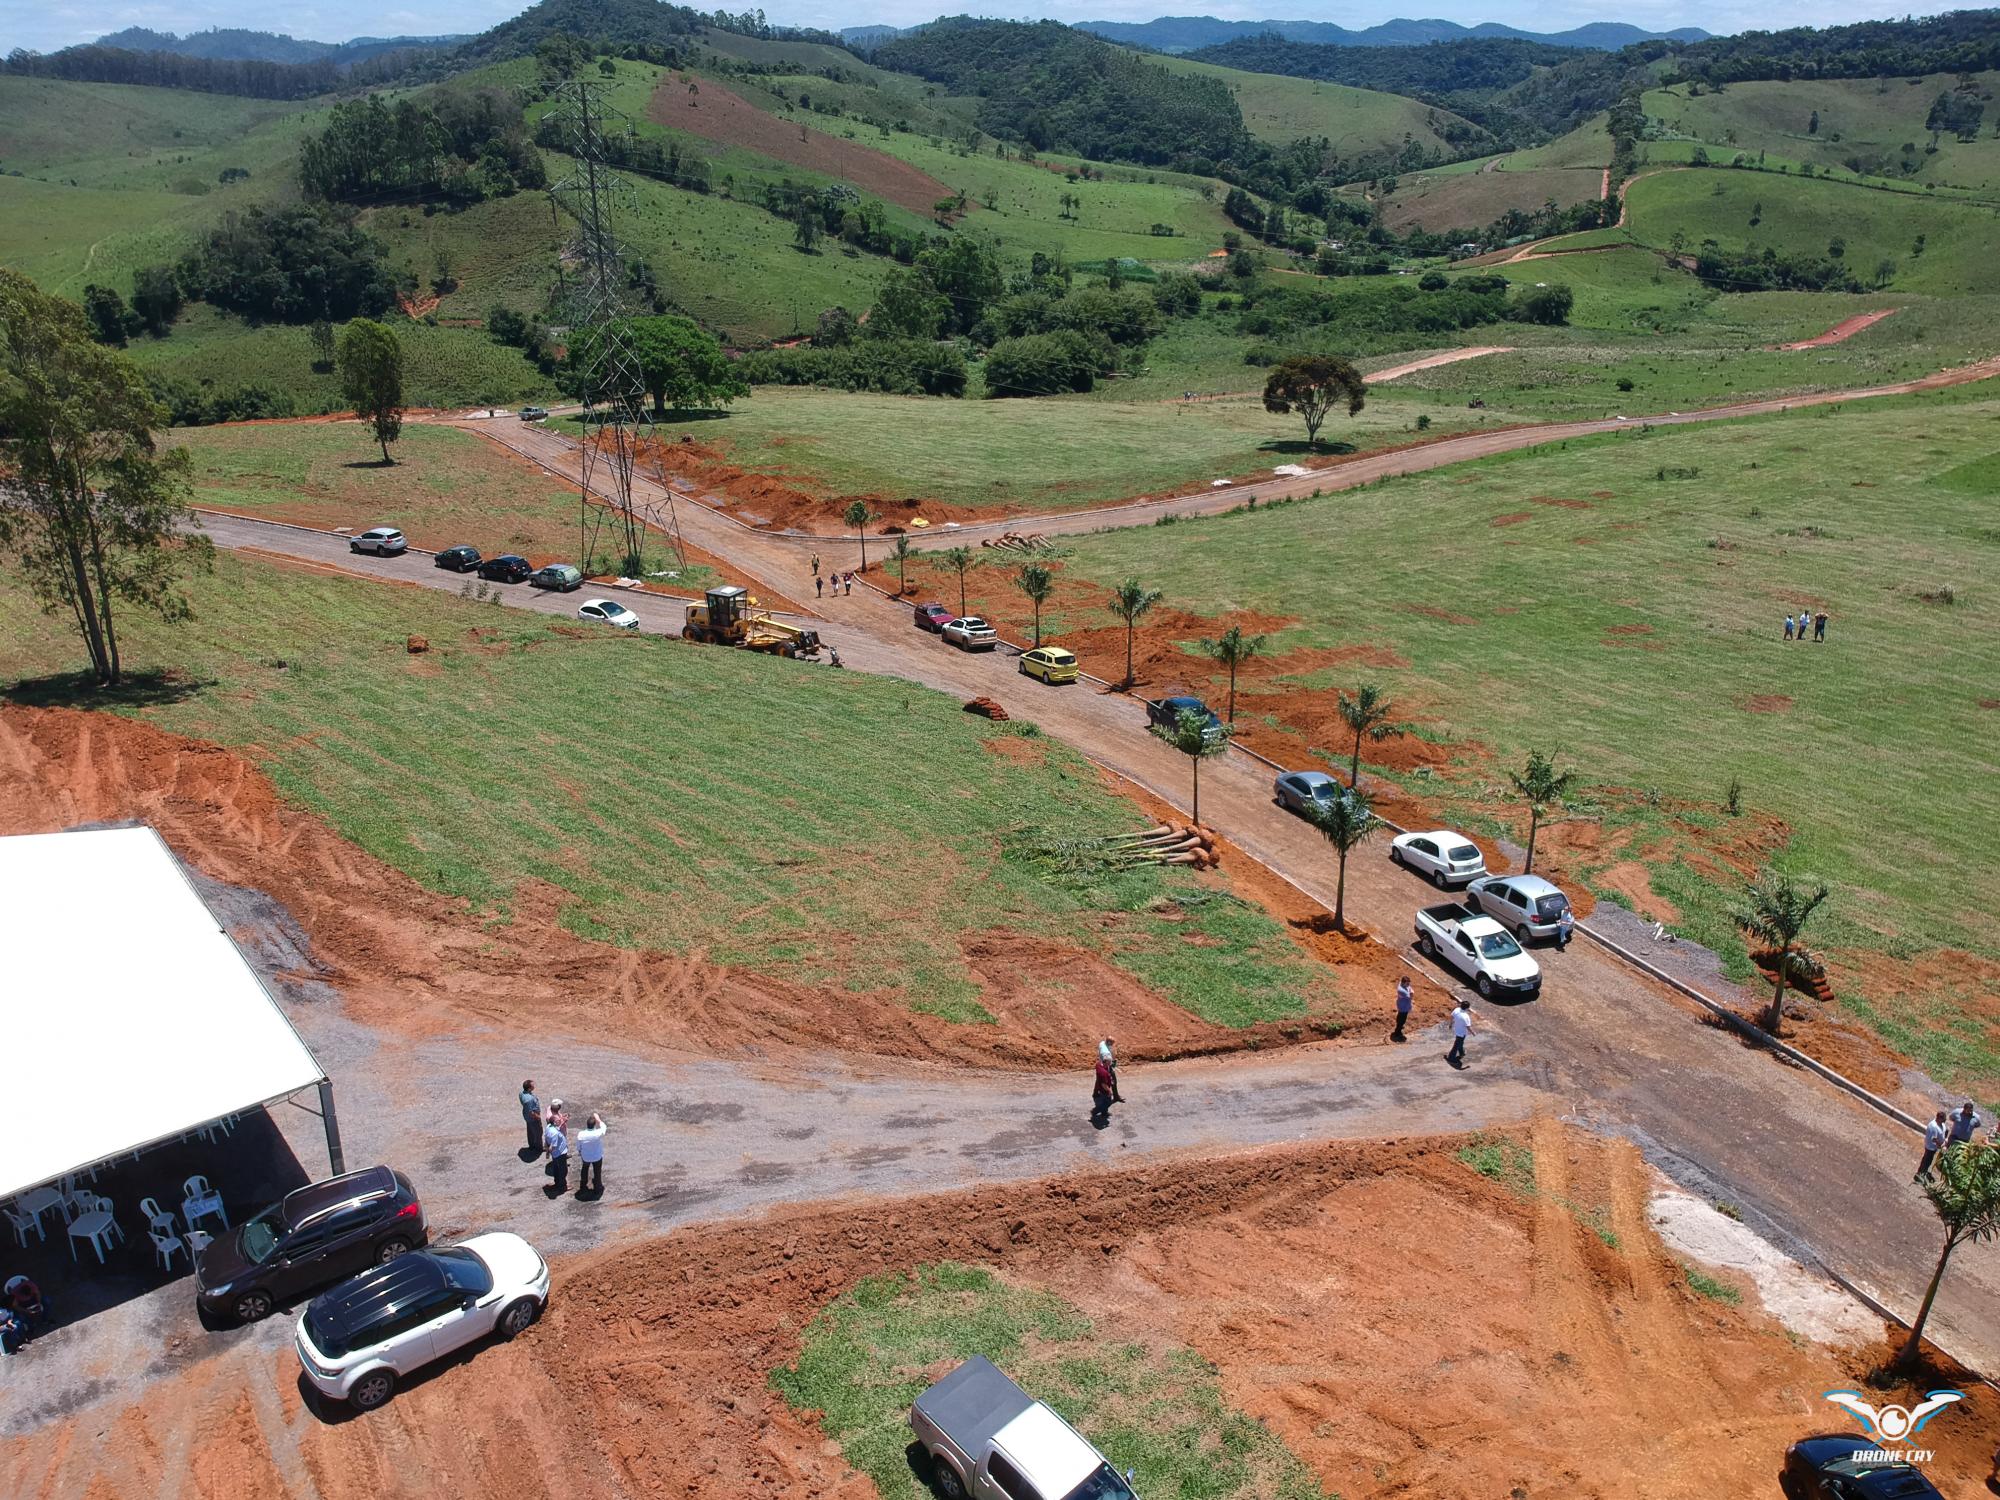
[[383, 541], [359, 1339], [1448, 858]]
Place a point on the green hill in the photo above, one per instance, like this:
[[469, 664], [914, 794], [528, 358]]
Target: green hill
[[1358, 122]]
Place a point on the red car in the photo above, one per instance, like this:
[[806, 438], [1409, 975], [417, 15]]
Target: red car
[[933, 617]]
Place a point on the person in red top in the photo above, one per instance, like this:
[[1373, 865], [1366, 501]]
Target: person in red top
[[1104, 1090]]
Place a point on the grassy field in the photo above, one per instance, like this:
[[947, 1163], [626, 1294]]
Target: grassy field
[[1803, 215], [533, 751], [1467, 197], [1356, 122], [446, 486], [1621, 599], [1158, 1411], [1056, 452], [1865, 121]]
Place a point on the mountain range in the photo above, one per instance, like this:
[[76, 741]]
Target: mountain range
[[234, 44], [1187, 33]]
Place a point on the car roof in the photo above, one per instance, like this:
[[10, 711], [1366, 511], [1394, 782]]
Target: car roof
[[1311, 778], [1530, 885], [316, 1197], [1047, 1450], [376, 1294], [1183, 699]]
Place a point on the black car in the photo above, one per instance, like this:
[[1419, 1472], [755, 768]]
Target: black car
[[317, 1235], [459, 559], [1166, 714], [1826, 1468], [508, 569]]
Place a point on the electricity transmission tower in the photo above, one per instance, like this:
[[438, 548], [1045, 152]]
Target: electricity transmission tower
[[619, 437]]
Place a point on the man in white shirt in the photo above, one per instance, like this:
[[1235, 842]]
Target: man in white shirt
[[1935, 1135], [590, 1151], [1461, 1028]]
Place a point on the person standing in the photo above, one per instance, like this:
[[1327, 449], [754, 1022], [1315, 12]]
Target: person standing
[[1104, 1087], [1964, 1123], [1406, 999], [1805, 619], [1788, 627], [1461, 1028], [531, 1116], [1935, 1135], [590, 1152], [815, 567], [819, 587], [557, 1145], [1565, 926], [1819, 626]]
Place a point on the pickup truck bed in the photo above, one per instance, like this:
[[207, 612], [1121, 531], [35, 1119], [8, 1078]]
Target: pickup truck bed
[[972, 1404]]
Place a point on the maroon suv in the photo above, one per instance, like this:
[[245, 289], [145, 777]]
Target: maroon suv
[[933, 617]]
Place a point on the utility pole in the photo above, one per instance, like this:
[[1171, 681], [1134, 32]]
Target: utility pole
[[619, 436]]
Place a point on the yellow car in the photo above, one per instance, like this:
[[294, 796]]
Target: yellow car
[[1050, 663]]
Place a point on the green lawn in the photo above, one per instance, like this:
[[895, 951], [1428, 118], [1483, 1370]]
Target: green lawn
[[759, 812], [1637, 629], [1356, 122], [1159, 1411]]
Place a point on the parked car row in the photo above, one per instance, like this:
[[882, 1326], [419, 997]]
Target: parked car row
[[1053, 665], [388, 1302], [511, 567]]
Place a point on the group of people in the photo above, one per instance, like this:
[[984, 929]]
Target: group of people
[[24, 1312], [1797, 625], [549, 1136], [1950, 1128], [841, 583]]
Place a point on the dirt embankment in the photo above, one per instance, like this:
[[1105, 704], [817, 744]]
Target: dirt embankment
[[701, 106], [412, 961], [1844, 330], [1407, 1326]]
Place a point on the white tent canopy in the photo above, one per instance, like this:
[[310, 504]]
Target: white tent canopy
[[131, 1016]]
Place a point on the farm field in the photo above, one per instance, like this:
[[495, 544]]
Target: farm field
[[1356, 122], [1521, 623], [1467, 197], [520, 752]]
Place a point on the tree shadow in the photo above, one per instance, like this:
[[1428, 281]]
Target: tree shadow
[[1297, 445], [371, 463], [693, 414], [152, 688]]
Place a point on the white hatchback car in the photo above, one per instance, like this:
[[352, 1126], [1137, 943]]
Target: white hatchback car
[[1448, 858], [610, 611], [383, 541], [358, 1340]]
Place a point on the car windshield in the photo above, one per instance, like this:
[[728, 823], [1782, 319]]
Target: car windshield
[[1499, 945], [615, 611], [464, 1270], [1105, 1483], [259, 1236], [1464, 852]]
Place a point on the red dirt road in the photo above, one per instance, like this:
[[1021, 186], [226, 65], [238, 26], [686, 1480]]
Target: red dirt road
[[1843, 331], [714, 113]]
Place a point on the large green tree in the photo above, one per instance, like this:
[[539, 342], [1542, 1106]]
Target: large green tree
[[684, 367], [1313, 385], [371, 378], [93, 513], [908, 306]]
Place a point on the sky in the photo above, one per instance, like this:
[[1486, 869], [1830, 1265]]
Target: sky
[[43, 27]]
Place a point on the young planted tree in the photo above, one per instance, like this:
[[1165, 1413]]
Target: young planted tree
[[1775, 911], [900, 556], [1196, 737], [92, 513], [1312, 385], [961, 560], [1130, 603], [1037, 582], [1965, 1194], [1232, 649], [859, 516], [371, 378], [1541, 785], [322, 343], [1367, 713], [1347, 823]]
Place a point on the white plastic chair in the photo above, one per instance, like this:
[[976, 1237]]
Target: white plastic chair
[[196, 1187], [22, 1224], [197, 1241], [157, 1216], [166, 1246]]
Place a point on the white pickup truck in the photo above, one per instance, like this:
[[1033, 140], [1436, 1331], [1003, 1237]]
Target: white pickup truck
[[1480, 949], [970, 633], [989, 1440]]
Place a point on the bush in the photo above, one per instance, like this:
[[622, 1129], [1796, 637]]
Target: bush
[[1548, 305], [896, 367], [290, 264], [1047, 364]]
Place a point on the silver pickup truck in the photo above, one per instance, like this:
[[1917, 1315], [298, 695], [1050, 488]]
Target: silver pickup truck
[[989, 1440]]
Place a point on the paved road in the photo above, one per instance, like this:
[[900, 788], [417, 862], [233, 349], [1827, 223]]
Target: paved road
[[1815, 1170]]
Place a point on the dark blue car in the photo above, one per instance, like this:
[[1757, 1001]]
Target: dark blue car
[[1827, 1468], [1167, 713]]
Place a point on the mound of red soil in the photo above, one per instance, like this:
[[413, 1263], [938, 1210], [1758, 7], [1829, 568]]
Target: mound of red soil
[[714, 113]]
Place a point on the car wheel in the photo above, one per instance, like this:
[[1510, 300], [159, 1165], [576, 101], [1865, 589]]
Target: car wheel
[[253, 1307], [518, 1317], [1395, 855], [354, 546], [372, 1390], [949, 1484], [1521, 932], [1438, 880], [1425, 946], [388, 1250], [1485, 987]]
